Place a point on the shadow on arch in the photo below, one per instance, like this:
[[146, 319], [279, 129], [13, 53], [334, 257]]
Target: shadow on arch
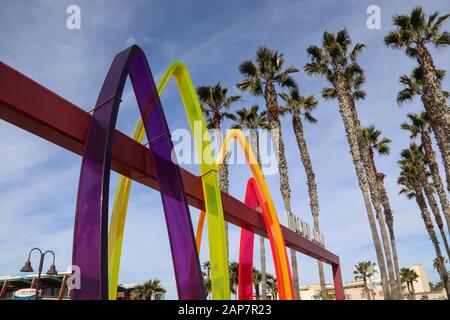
[[90, 246], [257, 194]]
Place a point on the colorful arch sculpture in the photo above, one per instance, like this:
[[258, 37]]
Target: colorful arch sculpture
[[257, 190], [211, 190], [91, 221]]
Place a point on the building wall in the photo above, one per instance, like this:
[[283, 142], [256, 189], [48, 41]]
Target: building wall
[[423, 283]]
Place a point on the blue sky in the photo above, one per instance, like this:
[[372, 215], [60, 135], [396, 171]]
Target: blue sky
[[38, 181]]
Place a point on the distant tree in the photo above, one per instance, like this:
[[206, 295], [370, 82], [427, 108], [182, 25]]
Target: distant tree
[[147, 290]]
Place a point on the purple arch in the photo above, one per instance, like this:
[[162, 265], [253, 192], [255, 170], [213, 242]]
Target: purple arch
[[90, 245]]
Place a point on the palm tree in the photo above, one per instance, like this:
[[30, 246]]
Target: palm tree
[[414, 33], [147, 290], [437, 266], [299, 106], [273, 286], [336, 61], [261, 78], [419, 124], [207, 286], [416, 152], [206, 268], [257, 278], [412, 189], [253, 120], [381, 146], [409, 276], [215, 104], [234, 275], [414, 85], [363, 271]]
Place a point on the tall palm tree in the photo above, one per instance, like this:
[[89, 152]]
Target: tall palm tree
[[419, 125], [414, 85], [412, 189], [416, 152], [147, 290], [409, 276], [363, 271], [257, 278], [216, 104], [299, 107], [261, 78], [381, 146], [414, 32], [336, 61], [253, 120]]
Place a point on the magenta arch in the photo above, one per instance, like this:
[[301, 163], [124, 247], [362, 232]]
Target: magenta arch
[[90, 251]]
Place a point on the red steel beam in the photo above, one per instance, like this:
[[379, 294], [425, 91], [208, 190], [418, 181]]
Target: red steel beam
[[34, 108]]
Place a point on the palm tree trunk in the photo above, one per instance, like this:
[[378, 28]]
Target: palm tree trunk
[[389, 218], [369, 165], [434, 206], [439, 111], [312, 189], [270, 96], [323, 287], [353, 141], [430, 229], [254, 144], [440, 136], [223, 171], [436, 108], [437, 182], [366, 288]]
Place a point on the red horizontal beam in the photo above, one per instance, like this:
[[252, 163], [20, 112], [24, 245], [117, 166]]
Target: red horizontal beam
[[32, 107]]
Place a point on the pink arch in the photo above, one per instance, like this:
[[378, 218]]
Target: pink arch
[[253, 199]]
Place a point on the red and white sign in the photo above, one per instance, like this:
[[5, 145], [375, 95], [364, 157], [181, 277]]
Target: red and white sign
[[25, 293]]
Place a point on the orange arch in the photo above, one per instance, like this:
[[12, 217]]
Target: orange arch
[[259, 186]]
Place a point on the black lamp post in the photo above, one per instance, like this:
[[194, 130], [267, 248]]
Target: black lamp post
[[28, 268]]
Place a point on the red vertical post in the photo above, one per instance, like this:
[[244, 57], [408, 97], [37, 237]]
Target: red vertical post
[[338, 286]]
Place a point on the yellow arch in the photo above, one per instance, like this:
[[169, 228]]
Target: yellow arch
[[280, 254], [213, 201]]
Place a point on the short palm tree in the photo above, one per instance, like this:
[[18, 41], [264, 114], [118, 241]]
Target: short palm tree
[[216, 104], [299, 106], [253, 120], [415, 32], [147, 290], [262, 78], [409, 276], [412, 188], [414, 85], [381, 147], [363, 271], [336, 60], [419, 125]]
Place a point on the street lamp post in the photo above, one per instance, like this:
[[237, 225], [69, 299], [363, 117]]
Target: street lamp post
[[28, 268]]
